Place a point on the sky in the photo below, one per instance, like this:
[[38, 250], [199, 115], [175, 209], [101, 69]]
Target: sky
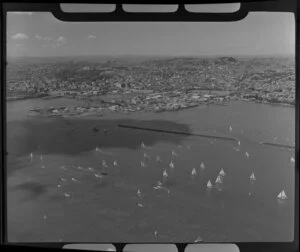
[[40, 34]]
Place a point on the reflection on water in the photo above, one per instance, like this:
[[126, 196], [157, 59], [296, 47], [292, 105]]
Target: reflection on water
[[119, 184]]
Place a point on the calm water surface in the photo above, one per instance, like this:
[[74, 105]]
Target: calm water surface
[[56, 196]]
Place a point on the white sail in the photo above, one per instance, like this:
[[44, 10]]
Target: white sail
[[171, 165], [218, 180], [116, 163], [202, 166], [292, 160], [194, 172], [247, 154], [230, 128], [252, 177], [98, 175], [139, 193], [209, 184], [282, 195], [222, 173], [165, 174], [174, 153], [143, 145]]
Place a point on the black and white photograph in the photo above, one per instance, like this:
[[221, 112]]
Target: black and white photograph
[[153, 132]]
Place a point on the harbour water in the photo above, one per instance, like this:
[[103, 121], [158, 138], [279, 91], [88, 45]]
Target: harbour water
[[65, 193]]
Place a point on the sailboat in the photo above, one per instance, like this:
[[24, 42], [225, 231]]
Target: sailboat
[[252, 177], [247, 154], [282, 195], [104, 163], [115, 163], [90, 169], [174, 153], [292, 160], [230, 128], [139, 194], [222, 173], [202, 166], [143, 164], [31, 156], [143, 145], [194, 172], [218, 180], [172, 165], [165, 174], [209, 184]]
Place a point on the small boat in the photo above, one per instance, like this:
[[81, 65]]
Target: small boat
[[58, 186], [282, 195], [63, 179], [202, 166], [292, 160], [43, 167], [198, 239], [247, 154], [143, 145], [115, 163], [194, 172], [97, 149], [41, 158], [140, 205], [219, 180], [239, 143], [91, 169], [74, 180], [97, 175], [174, 153], [146, 156], [31, 156], [67, 195], [104, 163], [139, 194], [209, 184], [252, 177], [230, 128], [158, 159], [143, 164], [159, 185], [172, 165], [63, 168], [222, 173], [165, 174]]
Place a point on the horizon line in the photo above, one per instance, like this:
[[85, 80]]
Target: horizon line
[[159, 55]]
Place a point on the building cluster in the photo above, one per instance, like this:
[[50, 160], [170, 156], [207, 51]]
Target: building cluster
[[159, 84]]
